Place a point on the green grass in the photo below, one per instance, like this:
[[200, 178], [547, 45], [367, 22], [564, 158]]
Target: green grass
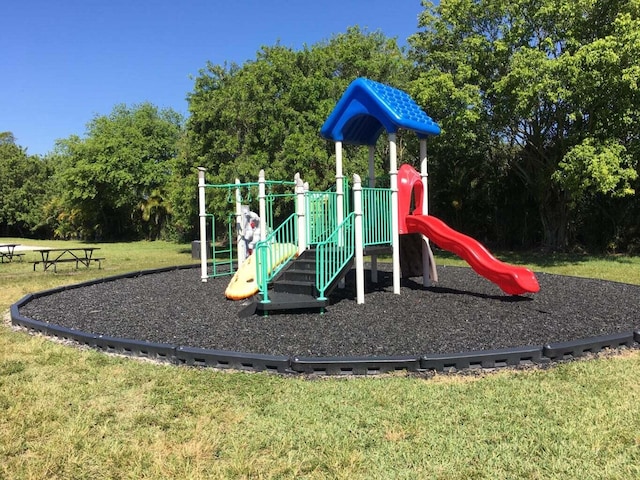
[[72, 413], [19, 278], [620, 268]]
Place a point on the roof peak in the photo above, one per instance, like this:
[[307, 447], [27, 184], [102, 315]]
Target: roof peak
[[367, 108]]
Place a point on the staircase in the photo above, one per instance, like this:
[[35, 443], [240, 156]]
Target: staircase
[[294, 288]]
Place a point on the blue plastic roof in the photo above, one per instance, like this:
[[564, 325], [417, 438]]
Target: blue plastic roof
[[368, 108]]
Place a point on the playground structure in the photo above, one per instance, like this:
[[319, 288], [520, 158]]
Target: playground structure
[[333, 231]]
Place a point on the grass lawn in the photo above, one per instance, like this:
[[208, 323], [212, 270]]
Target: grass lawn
[[67, 413]]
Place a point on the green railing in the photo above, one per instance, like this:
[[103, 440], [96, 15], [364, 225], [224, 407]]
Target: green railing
[[376, 218], [333, 254], [335, 244], [282, 202], [346, 202], [221, 257], [274, 252], [320, 215], [321, 211]]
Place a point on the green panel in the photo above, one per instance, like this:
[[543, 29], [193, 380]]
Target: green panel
[[273, 253], [376, 216], [334, 253]]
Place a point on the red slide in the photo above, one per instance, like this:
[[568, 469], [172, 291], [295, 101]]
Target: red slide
[[511, 279]]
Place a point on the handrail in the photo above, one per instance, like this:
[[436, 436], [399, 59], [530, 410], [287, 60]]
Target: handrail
[[333, 254], [335, 244], [270, 255]]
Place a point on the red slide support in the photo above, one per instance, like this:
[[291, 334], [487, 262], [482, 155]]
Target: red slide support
[[513, 280]]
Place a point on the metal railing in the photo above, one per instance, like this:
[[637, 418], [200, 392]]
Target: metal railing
[[221, 257], [273, 253], [321, 215], [333, 254], [321, 209], [376, 218], [335, 244]]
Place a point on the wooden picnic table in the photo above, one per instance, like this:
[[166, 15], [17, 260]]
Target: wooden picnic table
[[8, 252], [79, 255]]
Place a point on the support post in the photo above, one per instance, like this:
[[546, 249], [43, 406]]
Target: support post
[[262, 197], [424, 176], [339, 188], [359, 240], [395, 232], [202, 212], [240, 243], [301, 213], [339, 200]]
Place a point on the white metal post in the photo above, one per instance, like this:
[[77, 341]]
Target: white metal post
[[395, 230], [339, 200], [202, 210], [424, 175], [339, 188], [359, 241], [262, 205], [301, 213], [372, 184], [240, 243]]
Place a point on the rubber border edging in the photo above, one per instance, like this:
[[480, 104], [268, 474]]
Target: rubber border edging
[[202, 357], [195, 356], [506, 357], [583, 346], [354, 365]]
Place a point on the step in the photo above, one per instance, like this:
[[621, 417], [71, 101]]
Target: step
[[294, 287], [298, 275], [302, 264], [281, 301]]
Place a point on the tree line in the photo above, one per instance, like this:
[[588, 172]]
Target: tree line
[[538, 102]]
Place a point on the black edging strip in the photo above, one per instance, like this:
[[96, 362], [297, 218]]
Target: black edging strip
[[354, 365], [157, 351], [193, 356], [204, 357], [507, 357], [580, 347]]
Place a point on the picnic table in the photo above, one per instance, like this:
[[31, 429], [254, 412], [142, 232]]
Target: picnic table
[[78, 255], [8, 252]]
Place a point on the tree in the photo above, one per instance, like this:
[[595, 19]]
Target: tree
[[112, 183], [553, 83], [267, 114], [24, 186]]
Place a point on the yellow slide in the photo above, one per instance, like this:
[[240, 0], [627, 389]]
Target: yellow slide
[[244, 284]]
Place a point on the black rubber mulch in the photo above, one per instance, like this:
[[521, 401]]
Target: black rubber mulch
[[464, 312]]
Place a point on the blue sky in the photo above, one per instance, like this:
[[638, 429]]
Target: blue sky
[[65, 61]]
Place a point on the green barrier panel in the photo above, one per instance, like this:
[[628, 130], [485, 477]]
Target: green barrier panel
[[221, 257], [376, 218], [273, 253], [333, 254]]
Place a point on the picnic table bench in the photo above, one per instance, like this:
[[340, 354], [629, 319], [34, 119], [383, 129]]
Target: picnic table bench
[[8, 252], [79, 256]]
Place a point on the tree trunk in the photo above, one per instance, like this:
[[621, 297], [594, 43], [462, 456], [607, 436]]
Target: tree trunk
[[554, 211]]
